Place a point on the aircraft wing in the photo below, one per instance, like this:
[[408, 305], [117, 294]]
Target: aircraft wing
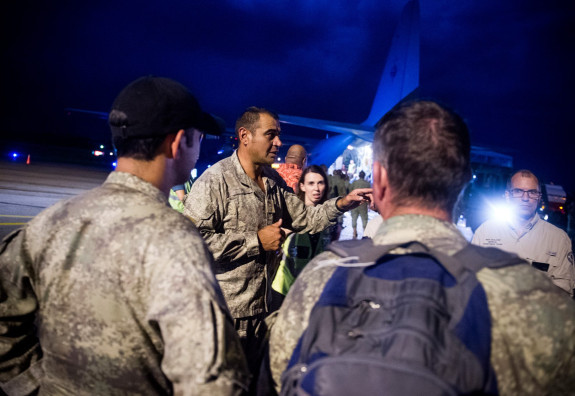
[[361, 131], [100, 114]]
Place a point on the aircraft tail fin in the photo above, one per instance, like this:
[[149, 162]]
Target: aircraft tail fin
[[400, 75]]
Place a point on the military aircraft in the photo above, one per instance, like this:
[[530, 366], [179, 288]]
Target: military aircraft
[[400, 78]]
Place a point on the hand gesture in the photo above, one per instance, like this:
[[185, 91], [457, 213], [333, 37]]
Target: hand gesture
[[271, 237], [355, 198]]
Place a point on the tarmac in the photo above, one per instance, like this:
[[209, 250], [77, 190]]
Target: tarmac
[[27, 189]]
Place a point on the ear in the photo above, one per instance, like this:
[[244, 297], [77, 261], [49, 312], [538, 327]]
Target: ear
[[380, 186], [243, 135], [173, 142]]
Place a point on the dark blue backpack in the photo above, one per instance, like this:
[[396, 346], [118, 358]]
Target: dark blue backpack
[[413, 324]]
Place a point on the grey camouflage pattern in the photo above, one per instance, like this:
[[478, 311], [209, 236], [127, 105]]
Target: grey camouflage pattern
[[533, 329], [125, 299], [229, 208]]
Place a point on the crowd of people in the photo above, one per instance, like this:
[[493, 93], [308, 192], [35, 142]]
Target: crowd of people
[[114, 292]]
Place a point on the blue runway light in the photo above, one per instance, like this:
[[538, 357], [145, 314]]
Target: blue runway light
[[114, 164], [15, 155]]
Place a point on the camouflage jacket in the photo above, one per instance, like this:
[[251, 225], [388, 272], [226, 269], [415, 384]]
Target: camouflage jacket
[[122, 292], [533, 322], [229, 208]]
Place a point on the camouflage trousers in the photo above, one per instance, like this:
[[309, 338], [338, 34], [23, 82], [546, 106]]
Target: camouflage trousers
[[252, 331]]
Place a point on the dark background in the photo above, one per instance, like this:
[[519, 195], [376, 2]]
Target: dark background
[[506, 66]]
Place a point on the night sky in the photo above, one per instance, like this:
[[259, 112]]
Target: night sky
[[506, 66]]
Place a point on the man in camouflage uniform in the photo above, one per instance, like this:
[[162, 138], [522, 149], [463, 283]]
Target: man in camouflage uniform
[[240, 206], [421, 163], [119, 285]]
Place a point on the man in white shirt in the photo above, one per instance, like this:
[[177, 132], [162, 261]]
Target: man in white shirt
[[545, 246]]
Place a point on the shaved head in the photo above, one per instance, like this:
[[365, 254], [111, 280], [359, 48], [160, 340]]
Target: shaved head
[[296, 155]]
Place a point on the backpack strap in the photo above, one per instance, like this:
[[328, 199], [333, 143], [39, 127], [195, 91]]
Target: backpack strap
[[477, 257], [471, 257], [367, 252], [363, 249]]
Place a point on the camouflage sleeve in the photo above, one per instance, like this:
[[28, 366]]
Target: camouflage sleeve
[[564, 276], [205, 206], [533, 332], [202, 352], [294, 313], [20, 352], [312, 219]]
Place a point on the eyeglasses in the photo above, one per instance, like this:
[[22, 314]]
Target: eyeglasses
[[518, 193]]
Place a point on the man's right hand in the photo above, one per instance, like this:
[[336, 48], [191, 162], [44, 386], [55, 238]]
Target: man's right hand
[[271, 237]]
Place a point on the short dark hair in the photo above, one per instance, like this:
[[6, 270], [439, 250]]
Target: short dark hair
[[314, 169], [250, 118], [143, 149], [425, 149]]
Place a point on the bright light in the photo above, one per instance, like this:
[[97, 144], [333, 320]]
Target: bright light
[[114, 164], [278, 159], [474, 177], [14, 155], [209, 166], [275, 166], [501, 212], [350, 147], [546, 217], [97, 153], [194, 173], [220, 151], [111, 153], [102, 146]]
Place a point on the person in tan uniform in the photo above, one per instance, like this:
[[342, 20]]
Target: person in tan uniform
[[545, 246], [119, 285]]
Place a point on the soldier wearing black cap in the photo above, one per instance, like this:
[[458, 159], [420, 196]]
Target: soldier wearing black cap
[[119, 285]]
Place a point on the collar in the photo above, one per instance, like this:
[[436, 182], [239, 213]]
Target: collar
[[434, 233], [267, 174], [135, 183], [242, 175], [528, 226]]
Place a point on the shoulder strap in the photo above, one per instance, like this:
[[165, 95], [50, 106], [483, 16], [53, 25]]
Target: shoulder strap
[[367, 252], [477, 257]]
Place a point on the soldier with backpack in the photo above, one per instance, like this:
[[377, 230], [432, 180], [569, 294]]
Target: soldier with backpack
[[417, 309]]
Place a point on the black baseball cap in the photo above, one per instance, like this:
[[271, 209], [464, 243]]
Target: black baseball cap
[[157, 106]]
